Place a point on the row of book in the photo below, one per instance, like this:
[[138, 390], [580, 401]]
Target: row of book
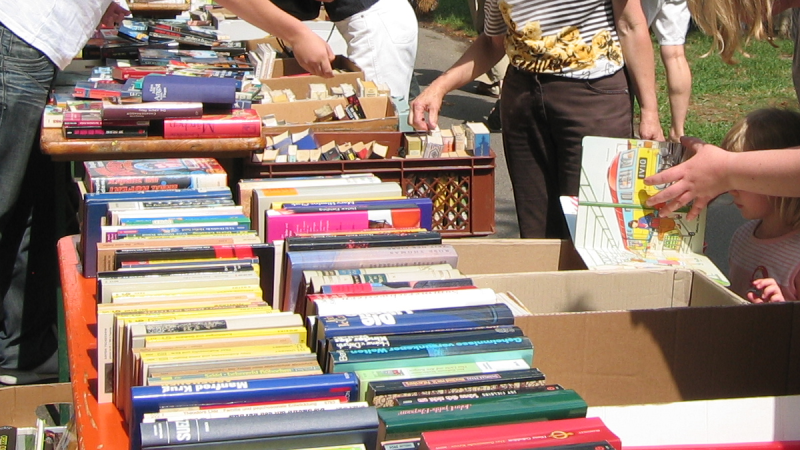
[[386, 345]]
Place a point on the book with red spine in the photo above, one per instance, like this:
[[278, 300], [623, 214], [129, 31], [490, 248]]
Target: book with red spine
[[282, 223], [525, 435], [240, 123], [125, 73]]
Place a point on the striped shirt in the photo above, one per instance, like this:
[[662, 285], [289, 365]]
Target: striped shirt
[[576, 39], [751, 258]]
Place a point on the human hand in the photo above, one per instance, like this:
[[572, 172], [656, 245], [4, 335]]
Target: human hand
[[113, 15], [765, 290], [651, 129], [701, 178], [424, 113], [313, 54]]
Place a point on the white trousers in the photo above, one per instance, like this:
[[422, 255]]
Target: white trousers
[[382, 41]]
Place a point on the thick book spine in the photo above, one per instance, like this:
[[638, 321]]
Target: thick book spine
[[412, 420], [283, 223], [425, 205], [367, 341], [151, 110], [341, 358], [524, 435], [240, 124], [415, 321], [261, 251], [177, 88], [104, 132]]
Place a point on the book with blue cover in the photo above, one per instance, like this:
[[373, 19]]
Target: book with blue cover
[[147, 399], [177, 88]]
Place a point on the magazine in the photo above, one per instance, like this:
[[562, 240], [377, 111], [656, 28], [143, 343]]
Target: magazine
[[613, 227]]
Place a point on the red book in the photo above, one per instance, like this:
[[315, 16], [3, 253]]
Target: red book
[[125, 73], [241, 123], [521, 435]]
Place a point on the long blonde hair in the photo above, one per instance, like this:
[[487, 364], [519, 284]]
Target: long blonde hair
[[731, 23], [765, 129]]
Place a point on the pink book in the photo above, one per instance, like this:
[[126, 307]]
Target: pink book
[[281, 223]]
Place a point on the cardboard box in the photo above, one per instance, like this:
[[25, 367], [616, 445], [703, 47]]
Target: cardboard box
[[288, 74], [639, 336], [704, 422], [380, 112], [20, 402]]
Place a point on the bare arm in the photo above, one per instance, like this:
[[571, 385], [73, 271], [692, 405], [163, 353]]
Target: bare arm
[[713, 171], [637, 49], [311, 51], [484, 53]]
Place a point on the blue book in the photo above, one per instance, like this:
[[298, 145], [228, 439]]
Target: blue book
[[425, 205], [161, 230], [461, 318], [178, 88], [147, 399], [95, 208]]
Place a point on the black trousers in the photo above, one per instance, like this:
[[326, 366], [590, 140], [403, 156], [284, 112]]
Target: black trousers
[[545, 118]]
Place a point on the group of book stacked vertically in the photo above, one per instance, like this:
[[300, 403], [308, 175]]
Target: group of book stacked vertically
[[337, 321]]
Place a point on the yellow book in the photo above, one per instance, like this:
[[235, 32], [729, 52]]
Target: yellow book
[[296, 335]]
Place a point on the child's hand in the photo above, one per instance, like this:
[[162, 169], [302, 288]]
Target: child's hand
[[765, 290]]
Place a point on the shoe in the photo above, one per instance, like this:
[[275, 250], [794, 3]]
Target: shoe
[[493, 120], [47, 372], [489, 90]]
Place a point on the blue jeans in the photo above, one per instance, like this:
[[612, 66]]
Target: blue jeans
[[28, 262]]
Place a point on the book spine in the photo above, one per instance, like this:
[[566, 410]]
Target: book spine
[[365, 341], [524, 354], [211, 128], [548, 405], [432, 349], [173, 231], [416, 321], [177, 88], [302, 243], [152, 110], [279, 226], [105, 132], [444, 397]]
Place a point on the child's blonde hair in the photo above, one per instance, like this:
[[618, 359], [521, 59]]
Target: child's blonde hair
[[766, 129], [731, 23]]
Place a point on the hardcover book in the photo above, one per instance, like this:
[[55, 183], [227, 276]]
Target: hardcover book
[[105, 132], [329, 241], [411, 420], [522, 435], [615, 229], [424, 204], [240, 123], [153, 174], [302, 429], [115, 110], [152, 398], [282, 223], [177, 88], [447, 398]]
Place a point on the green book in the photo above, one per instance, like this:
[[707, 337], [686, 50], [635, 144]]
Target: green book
[[411, 420], [404, 373]]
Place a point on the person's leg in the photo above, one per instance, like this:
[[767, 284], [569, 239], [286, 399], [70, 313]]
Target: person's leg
[[679, 85], [28, 313], [382, 41]]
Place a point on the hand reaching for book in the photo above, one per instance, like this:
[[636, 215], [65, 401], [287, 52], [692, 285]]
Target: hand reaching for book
[[114, 15]]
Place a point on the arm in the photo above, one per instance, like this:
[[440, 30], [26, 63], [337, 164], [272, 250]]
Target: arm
[[311, 51], [637, 49], [484, 53], [113, 15], [713, 171]]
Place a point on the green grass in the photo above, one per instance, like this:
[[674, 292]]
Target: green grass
[[721, 93]]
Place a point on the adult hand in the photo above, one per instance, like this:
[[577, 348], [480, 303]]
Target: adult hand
[[765, 290], [113, 15], [650, 128], [701, 178], [425, 109], [313, 54]]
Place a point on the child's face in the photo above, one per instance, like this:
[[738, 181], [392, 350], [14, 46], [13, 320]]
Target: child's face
[[752, 206]]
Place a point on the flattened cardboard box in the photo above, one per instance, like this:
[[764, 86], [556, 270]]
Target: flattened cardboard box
[[19, 402], [639, 336], [299, 116]]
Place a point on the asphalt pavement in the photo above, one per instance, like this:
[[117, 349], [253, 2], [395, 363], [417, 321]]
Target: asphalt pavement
[[437, 52]]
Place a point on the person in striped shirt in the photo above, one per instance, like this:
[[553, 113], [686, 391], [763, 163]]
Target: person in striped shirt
[[764, 255], [565, 81]]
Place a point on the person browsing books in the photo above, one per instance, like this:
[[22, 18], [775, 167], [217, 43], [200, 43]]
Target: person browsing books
[[713, 171], [764, 254], [565, 81], [38, 38]]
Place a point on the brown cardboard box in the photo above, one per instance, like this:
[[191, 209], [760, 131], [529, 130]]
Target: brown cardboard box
[[380, 112], [19, 402], [639, 336], [288, 74]]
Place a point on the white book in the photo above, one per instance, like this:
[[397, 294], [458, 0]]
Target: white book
[[173, 215], [335, 304], [318, 281], [279, 408]]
